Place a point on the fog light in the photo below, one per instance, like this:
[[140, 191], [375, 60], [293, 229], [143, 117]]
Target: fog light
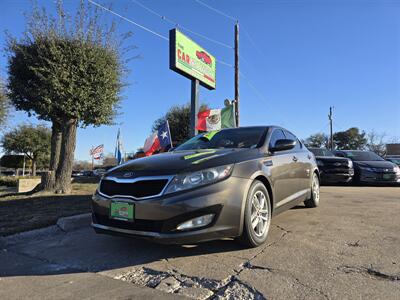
[[196, 222]]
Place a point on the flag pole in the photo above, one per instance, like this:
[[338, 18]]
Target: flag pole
[[169, 132]]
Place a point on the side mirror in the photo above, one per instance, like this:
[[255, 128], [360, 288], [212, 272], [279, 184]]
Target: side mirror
[[283, 144]]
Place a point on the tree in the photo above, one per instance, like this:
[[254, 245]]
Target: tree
[[317, 140], [80, 165], [351, 139], [179, 122], [3, 104], [32, 141], [109, 161], [74, 70], [375, 143]]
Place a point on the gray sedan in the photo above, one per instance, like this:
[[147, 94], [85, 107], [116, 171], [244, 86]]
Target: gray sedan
[[226, 183]]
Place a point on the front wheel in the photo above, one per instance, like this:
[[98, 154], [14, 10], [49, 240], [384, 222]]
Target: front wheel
[[314, 199], [257, 216]]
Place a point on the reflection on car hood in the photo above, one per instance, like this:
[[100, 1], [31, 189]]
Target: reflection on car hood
[[375, 164], [182, 161]]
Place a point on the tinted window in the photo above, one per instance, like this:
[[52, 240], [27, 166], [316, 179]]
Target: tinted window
[[362, 156], [277, 134], [291, 136], [321, 152], [227, 138]]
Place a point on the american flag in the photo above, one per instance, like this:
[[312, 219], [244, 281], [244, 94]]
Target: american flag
[[97, 151]]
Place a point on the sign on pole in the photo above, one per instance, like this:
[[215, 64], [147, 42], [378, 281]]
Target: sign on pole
[[191, 60]]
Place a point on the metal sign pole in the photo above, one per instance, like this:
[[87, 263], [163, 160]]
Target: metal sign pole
[[194, 107]]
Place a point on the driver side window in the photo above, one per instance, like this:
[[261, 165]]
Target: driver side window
[[277, 134]]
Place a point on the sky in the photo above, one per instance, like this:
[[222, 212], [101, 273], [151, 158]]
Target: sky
[[297, 58]]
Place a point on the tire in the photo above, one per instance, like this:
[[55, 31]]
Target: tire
[[315, 197], [254, 236]]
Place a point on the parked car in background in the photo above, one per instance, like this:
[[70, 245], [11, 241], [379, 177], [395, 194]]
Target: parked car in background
[[77, 173], [394, 159], [226, 183], [99, 172], [333, 169], [370, 167]]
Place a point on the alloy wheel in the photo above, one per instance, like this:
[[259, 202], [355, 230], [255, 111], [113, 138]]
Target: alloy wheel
[[259, 213], [315, 188]]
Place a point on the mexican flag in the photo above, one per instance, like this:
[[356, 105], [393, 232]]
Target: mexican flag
[[215, 119]]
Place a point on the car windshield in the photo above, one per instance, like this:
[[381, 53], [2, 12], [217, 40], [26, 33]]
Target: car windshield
[[321, 152], [363, 156], [227, 138]]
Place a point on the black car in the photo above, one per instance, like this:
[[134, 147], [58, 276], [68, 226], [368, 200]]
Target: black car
[[224, 183], [370, 167], [333, 169]]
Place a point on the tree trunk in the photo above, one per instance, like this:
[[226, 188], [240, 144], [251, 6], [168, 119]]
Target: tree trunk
[[66, 160], [56, 137], [34, 166]]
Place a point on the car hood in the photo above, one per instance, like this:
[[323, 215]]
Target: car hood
[[375, 164], [174, 162], [331, 159]]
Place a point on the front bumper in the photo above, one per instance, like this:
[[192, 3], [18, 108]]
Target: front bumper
[[379, 178], [157, 218], [336, 177]]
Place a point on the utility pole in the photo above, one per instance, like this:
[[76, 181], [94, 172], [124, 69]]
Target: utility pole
[[194, 107], [237, 73], [331, 128]]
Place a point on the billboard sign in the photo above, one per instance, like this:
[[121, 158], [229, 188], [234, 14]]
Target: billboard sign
[[191, 60]]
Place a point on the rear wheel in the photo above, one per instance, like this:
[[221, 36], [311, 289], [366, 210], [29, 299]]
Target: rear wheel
[[314, 199], [257, 216]]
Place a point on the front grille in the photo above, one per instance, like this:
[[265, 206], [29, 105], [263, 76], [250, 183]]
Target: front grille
[[138, 189], [138, 225]]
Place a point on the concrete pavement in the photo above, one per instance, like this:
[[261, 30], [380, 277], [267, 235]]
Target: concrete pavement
[[348, 248]]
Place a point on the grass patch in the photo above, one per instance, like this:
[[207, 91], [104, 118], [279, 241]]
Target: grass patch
[[21, 212]]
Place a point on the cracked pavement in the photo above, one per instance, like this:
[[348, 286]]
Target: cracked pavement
[[348, 248]]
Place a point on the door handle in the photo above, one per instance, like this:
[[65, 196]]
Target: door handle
[[295, 158]]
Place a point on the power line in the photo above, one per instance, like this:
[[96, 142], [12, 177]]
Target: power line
[[173, 22], [252, 42], [216, 10], [252, 86], [128, 20], [144, 28]]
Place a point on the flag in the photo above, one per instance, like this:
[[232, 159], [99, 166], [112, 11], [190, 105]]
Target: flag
[[97, 152], [215, 119], [118, 149], [161, 139]]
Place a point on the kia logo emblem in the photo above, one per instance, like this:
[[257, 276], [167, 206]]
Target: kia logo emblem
[[128, 174]]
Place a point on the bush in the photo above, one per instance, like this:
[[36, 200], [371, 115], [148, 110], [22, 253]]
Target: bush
[[12, 181]]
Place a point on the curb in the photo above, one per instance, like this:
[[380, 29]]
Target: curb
[[74, 222], [64, 224]]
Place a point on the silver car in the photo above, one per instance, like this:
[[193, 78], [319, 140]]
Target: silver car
[[226, 183]]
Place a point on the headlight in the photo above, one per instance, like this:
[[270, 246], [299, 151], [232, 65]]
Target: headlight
[[320, 163], [396, 169], [187, 181], [350, 163]]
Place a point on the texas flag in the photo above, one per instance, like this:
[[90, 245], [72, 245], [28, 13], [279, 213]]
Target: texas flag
[[161, 139]]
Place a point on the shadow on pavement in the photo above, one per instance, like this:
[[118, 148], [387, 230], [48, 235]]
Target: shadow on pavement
[[85, 251]]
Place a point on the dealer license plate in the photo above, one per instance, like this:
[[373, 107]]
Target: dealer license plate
[[122, 211]]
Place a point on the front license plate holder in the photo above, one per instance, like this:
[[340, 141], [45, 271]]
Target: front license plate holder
[[124, 211]]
